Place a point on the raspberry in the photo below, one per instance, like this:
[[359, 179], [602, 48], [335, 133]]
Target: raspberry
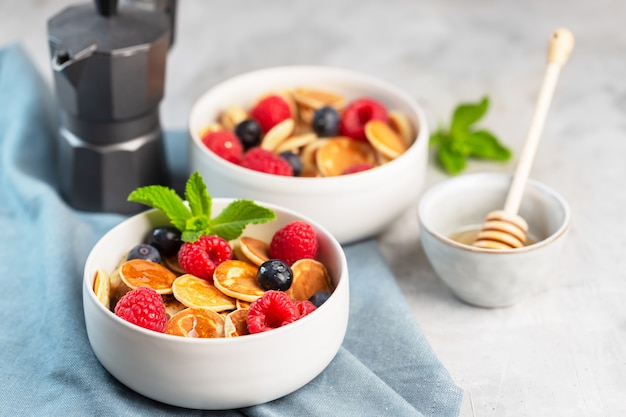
[[357, 114], [266, 161], [297, 240], [270, 111], [271, 311], [357, 168], [225, 145], [305, 307], [202, 256], [143, 307]]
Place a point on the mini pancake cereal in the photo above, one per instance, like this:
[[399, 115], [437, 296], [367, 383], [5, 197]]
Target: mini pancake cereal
[[198, 308], [196, 322], [195, 292], [238, 279], [316, 133], [235, 323]]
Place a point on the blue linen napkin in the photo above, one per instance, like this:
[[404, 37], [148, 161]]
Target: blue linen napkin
[[384, 368]]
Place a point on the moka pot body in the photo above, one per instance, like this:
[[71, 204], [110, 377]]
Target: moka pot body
[[109, 76]]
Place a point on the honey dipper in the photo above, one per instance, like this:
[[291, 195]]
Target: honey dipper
[[506, 229]]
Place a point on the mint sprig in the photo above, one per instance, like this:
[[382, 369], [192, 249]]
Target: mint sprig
[[453, 146], [194, 218]]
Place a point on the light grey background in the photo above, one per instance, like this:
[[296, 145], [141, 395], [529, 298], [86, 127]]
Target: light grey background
[[560, 353]]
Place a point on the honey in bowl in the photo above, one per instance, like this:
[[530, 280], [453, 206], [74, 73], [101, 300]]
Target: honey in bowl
[[467, 235]]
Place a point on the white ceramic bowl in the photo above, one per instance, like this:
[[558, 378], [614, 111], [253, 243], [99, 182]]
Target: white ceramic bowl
[[215, 373], [484, 277], [352, 207]]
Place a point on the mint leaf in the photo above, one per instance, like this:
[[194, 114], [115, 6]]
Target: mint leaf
[[483, 144], [200, 201], [437, 138], [234, 218], [164, 199], [462, 140], [452, 161], [195, 220], [465, 115], [195, 227], [460, 144]]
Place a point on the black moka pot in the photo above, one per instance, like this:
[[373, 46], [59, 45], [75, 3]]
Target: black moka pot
[[109, 74]]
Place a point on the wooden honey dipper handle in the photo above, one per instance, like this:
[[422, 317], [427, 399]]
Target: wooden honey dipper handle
[[561, 44], [495, 233]]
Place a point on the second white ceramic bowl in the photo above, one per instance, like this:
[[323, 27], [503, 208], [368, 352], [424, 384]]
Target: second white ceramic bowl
[[351, 207], [484, 277]]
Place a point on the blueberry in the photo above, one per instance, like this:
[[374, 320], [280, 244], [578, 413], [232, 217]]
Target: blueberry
[[249, 133], [275, 275], [143, 251], [319, 298], [166, 239], [326, 122], [294, 160]]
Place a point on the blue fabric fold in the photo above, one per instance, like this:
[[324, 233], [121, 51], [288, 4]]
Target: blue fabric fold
[[384, 368]]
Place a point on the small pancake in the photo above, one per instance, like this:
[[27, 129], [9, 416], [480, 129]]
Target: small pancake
[[235, 324], [309, 277], [237, 253], [384, 139], [142, 273], [114, 279], [172, 305], [309, 152], [232, 116], [255, 250], [382, 159], [315, 98], [196, 322], [401, 124], [102, 287], [172, 264], [116, 294], [238, 279], [196, 292], [308, 156], [296, 142], [242, 304], [341, 153], [305, 115], [278, 134]]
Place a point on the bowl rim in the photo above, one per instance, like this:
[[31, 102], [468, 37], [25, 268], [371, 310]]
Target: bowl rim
[[561, 230], [342, 282], [411, 103]]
